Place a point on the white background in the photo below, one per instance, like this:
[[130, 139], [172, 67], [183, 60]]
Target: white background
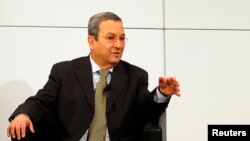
[[205, 44]]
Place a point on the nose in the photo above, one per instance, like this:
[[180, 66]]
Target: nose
[[119, 43]]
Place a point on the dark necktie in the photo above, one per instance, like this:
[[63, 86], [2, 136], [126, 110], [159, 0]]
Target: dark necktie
[[97, 130]]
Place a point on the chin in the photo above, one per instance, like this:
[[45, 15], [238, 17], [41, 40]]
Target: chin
[[115, 61]]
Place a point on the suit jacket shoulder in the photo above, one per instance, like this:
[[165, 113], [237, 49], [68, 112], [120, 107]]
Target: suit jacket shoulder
[[132, 68]]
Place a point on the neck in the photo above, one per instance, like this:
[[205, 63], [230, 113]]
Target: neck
[[101, 64]]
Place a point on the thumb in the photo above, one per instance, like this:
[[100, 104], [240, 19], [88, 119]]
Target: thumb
[[31, 128], [161, 80]]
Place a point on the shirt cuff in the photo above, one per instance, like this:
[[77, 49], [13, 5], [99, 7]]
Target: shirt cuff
[[159, 97]]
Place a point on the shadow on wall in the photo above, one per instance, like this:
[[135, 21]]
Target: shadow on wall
[[12, 94]]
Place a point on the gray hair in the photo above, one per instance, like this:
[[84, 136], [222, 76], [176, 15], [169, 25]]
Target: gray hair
[[94, 22]]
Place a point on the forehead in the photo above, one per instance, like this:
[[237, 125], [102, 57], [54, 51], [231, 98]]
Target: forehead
[[110, 26]]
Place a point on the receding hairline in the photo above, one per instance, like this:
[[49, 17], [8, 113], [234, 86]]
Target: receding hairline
[[97, 19]]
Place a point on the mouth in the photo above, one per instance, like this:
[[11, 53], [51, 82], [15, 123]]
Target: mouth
[[116, 53]]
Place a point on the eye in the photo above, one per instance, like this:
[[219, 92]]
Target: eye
[[122, 38], [111, 38]]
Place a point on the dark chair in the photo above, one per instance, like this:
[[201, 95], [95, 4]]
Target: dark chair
[[152, 132]]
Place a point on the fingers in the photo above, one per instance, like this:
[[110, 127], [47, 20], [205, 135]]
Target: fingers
[[176, 88], [23, 130], [177, 92], [31, 128], [9, 131], [167, 80], [16, 130], [162, 82], [17, 127], [12, 130], [169, 86]]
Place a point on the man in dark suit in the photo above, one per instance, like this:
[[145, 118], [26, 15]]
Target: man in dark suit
[[68, 97]]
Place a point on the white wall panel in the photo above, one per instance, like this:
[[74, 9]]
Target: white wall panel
[[139, 13], [145, 49], [25, 52], [225, 14], [213, 69], [26, 57]]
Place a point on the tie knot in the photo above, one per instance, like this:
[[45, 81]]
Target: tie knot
[[103, 73]]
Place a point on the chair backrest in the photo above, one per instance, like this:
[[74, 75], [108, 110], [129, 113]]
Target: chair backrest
[[152, 132]]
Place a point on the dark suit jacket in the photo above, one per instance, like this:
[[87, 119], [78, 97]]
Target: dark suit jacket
[[67, 101]]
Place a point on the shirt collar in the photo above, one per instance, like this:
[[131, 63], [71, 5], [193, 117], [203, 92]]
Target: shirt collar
[[95, 67]]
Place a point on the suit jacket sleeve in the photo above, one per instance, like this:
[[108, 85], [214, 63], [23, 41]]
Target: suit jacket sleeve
[[149, 109]]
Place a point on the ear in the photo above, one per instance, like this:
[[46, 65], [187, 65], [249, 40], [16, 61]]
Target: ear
[[91, 41]]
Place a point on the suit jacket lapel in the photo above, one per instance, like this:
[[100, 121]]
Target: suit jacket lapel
[[117, 84], [84, 75]]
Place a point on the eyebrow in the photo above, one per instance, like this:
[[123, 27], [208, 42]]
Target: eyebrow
[[115, 34]]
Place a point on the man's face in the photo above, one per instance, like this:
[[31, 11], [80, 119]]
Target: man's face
[[107, 50]]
